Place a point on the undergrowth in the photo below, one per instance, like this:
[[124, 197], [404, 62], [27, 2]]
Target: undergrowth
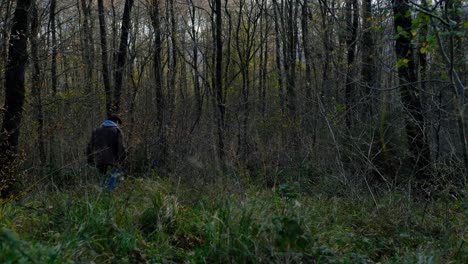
[[163, 221]]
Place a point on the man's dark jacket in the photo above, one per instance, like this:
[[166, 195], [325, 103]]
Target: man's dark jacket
[[107, 146]]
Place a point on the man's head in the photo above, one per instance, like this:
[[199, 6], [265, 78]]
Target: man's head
[[115, 119]]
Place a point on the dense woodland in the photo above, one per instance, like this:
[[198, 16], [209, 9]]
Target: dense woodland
[[369, 96], [366, 90]]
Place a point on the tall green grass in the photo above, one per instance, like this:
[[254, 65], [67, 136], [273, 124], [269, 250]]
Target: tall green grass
[[159, 221]]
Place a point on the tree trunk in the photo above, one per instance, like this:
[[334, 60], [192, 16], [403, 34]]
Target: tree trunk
[[37, 85], [311, 104], [14, 96], [278, 15], [307, 50], [290, 46], [121, 56], [172, 54], [352, 19], [114, 38], [104, 57], [158, 79], [263, 61], [218, 81], [195, 67], [327, 48], [88, 43], [415, 124], [367, 70], [53, 31]]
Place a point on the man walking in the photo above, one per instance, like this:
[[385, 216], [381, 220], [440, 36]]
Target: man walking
[[107, 148]]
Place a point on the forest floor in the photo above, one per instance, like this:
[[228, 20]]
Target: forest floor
[[165, 221]]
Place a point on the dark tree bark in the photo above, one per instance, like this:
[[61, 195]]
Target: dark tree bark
[[88, 43], [121, 56], [265, 28], [53, 32], [278, 18], [218, 80], [367, 70], [242, 40], [14, 96], [158, 79], [183, 85], [415, 122], [307, 45], [227, 32], [311, 104], [327, 46], [37, 85], [352, 19], [105, 57], [113, 49], [290, 48], [172, 57], [195, 65]]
